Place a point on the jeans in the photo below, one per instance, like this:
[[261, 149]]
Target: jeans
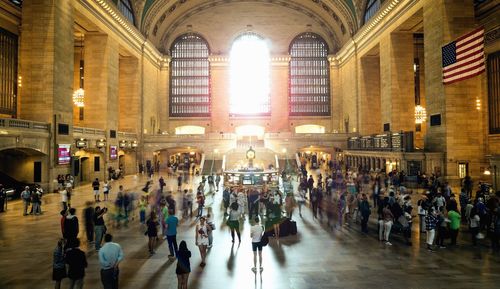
[[99, 233], [109, 278], [430, 237], [142, 216], [364, 223], [387, 230], [77, 284], [200, 210], [172, 245], [89, 230]]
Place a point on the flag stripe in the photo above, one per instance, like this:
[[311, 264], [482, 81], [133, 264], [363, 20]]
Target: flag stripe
[[464, 70], [469, 75], [479, 30], [469, 46], [468, 41], [465, 61], [464, 58]]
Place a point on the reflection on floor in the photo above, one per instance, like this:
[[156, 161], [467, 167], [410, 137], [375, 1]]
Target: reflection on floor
[[317, 257]]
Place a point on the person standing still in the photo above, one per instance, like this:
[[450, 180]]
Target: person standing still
[[183, 266], [256, 232], [99, 226], [26, 196], [110, 256], [77, 262], [172, 222], [88, 217], [454, 217], [95, 187]]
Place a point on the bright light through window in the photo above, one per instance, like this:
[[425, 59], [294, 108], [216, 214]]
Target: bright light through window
[[249, 76]]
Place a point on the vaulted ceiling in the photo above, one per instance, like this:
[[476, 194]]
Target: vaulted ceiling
[[219, 20]]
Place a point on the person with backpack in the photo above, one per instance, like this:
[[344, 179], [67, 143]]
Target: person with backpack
[[256, 232]]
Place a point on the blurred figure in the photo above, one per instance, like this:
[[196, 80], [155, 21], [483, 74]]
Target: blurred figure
[[59, 264], [88, 217], [99, 226]]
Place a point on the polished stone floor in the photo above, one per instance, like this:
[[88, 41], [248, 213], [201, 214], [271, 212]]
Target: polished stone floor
[[317, 257]]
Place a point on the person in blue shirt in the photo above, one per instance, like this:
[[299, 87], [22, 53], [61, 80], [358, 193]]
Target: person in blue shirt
[[110, 256], [172, 222]]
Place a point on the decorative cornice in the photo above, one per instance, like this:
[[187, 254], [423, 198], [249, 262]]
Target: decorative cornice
[[223, 60], [111, 17], [492, 36], [386, 16]]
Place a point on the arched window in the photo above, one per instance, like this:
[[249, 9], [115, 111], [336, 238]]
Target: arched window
[[250, 76], [372, 6], [190, 77], [125, 8], [309, 76]]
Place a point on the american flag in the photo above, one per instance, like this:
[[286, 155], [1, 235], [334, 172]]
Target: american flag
[[464, 57]]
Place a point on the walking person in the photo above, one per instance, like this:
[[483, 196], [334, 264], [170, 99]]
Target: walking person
[[289, 205], [233, 221], [77, 262], [152, 232], [95, 187], [64, 199], [99, 226], [256, 232], [183, 266], [71, 226], [364, 209], [110, 256], [301, 200], [474, 225], [387, 221], [211, 226], [171, 223], [59, 264], [201, 238], [89, 219]]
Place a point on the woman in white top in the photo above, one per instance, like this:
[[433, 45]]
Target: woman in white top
[[256, 232], [201, 237]]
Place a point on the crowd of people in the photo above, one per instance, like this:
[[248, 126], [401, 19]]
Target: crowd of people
[[379, 202]]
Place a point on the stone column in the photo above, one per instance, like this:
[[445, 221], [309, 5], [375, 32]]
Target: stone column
[[129, 95], [460, 135], [46, 66], [397, 81], [101, 81], [369, 97], [279, 95], [335, 96]]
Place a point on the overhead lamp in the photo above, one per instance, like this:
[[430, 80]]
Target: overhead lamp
[[487, 172], [100, 143]]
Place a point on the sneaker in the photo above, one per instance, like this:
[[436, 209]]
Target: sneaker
[[388, 243], [254, 269]]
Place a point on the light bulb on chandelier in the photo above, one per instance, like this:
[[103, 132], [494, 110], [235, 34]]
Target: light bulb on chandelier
[[420, 114], [78, 97]]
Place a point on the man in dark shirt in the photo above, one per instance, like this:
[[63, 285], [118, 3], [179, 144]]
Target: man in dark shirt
[[77, 262], [71, 227]]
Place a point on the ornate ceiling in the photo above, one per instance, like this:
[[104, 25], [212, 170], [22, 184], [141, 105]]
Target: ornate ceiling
[[162, 20]]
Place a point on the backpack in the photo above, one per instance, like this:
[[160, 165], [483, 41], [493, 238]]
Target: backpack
[[264, 240]]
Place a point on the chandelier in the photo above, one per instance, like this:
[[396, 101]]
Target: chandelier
[[78, 97], [420, 114]]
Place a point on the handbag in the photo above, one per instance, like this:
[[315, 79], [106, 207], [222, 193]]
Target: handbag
[[264, 239], [212, 226]]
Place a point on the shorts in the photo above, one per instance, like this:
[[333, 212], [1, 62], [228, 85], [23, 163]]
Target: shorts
[[256, 246], [96, 192]]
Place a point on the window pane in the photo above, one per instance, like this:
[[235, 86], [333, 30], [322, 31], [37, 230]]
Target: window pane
[[250, 76], [309, 76], [190, 77], [8, 72], [126, 9], [494, 92]]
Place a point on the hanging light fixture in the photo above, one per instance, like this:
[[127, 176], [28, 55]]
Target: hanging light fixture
[[420, 112], [79, 94]]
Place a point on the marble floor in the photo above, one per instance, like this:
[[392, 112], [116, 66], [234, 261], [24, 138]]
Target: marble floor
[[317, 257]]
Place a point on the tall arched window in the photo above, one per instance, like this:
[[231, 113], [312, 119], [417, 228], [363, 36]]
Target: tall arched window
[[250, 76], [125, 8], [190, 77], [372, 6], [309, 76]]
